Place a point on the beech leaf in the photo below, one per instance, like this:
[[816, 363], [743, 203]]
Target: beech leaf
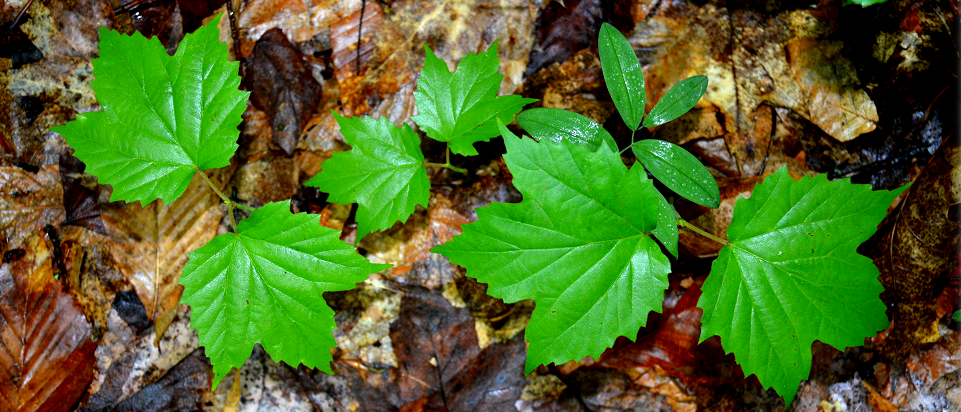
[[792, 275]]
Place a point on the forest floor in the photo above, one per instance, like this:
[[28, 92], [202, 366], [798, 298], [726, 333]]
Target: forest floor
[[90, 299]]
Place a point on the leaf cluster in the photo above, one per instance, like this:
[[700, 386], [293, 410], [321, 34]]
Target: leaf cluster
[[587, 243], [580, 243]]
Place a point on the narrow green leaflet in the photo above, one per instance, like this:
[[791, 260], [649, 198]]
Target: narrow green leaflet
[[681, 98], [460, 107], [666, 230], [265, 284], [679, 170], [623, 75], [384, 172], [956, 316], [163, 117], [792, 275], [578, 244], [557, 125]]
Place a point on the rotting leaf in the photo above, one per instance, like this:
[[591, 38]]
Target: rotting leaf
[[80, 203], [47, 355], [150, 245], [440, 365], [28, 202], [182, 388], [283, 86]]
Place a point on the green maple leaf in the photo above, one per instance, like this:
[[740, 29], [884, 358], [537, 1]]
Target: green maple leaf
[[265, 284], [384, 173], [163, 117], [579, 244], [461, 107], [792, 275]]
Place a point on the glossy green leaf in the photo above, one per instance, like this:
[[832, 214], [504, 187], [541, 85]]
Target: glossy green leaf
[[679, 100], [666, 230], [679, 170], [863, 3], [956, 316], [384, 172], [561, 125], [265, 284], [623, 75], [792, 275], [579, 244], [461, 107], [163, 117]]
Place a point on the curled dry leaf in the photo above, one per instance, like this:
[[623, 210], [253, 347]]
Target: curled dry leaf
[[150, 245], [47, 351]]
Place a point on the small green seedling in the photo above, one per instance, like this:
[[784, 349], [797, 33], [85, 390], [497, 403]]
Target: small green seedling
[[581, 243]]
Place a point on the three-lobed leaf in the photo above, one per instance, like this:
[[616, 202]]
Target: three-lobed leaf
[[679, 100], [579, 244], [384, 173], [792, 275], [265, 284], [623, 75], [561, 125], [679, 170], [461, 107], [163, 118]]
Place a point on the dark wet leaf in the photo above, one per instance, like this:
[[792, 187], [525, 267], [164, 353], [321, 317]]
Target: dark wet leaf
[[440, 366], [565, 27], [132, 311], [282, 86], [80, 202], [15, 45], [181, 389]]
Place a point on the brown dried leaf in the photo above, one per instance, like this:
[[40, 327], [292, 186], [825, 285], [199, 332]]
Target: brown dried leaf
[[440, 366], [28, 202], [283, 86], [47, 353], [80, 202], [150, 245]]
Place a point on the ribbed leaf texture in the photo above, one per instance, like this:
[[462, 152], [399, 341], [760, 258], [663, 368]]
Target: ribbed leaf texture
[[265, 284], [792, 275], [578, 244], [163, 117]]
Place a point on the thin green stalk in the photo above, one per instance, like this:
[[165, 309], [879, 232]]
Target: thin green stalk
[[447, 164], [230, 203], [684, 223], [632, 142]]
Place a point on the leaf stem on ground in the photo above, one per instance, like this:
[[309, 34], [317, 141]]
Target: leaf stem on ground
[[702, 232], [230, 203], [446, 163]]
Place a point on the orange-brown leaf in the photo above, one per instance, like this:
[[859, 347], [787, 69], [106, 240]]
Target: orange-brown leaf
[[46, 351]]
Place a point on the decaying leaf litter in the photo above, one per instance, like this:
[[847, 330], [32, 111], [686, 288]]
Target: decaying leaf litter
[[867, 94]]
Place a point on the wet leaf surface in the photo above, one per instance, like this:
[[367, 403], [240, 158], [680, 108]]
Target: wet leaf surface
[[788, 84], [47, 347]]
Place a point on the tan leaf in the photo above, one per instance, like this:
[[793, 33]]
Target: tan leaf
[[46, 351], [28, 202], [150, 245]]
